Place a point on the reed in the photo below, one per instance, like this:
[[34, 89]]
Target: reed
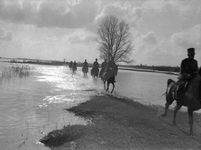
[[9, 71]]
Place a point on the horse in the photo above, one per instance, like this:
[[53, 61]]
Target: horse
[[190, 98], [94, 72], [71, 65], [74, 69], [85, 70], [108, 76]]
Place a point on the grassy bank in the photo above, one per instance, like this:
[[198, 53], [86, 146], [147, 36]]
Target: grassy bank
[[118, 123]]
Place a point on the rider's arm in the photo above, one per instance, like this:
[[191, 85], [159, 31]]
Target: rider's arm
[[196, 71], [184, 74]]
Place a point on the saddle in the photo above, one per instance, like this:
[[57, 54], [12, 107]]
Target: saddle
[[178, 88]]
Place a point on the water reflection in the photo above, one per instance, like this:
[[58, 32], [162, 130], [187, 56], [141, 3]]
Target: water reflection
[[31, 106]]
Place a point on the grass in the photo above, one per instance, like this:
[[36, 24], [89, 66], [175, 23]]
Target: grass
[[119, 123]]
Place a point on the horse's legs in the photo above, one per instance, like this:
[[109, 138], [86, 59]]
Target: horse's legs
[[104, 85], [178, 106], [190, 115], [166, 108], [108, 84], [169, 100], [113, 87]]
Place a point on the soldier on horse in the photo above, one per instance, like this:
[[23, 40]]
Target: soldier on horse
[[85, 67], [109, 74], [186, 91], [188, 70], [95, 69], [103, 67]]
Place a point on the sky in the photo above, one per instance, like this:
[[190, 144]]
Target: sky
[[161, 30]]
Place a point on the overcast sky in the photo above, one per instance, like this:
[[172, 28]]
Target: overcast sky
[[161, 30]]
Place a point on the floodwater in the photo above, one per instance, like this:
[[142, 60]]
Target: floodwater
[[33, 105]]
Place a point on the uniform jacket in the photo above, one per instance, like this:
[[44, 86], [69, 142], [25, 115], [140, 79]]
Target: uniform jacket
[[188, 68]]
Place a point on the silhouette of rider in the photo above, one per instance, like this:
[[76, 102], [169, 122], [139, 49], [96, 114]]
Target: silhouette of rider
[[188, 70], [74, 66], [85, 65], [104, 64], [96, 64], [71, 64], [111, 65], [103, 67]]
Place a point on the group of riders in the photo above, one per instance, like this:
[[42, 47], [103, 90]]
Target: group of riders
[[188, 70], [108, 69], [73, 66], [186, 90]]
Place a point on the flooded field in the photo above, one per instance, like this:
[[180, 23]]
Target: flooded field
[[34, 99]]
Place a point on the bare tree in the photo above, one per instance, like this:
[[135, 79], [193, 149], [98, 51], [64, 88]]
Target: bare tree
[[113, 37]]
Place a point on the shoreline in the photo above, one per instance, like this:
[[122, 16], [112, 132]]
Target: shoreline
[[121, 123], [120, 68]]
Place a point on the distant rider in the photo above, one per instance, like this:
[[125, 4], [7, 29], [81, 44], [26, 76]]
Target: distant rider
[[74, 66], [85, 66], [103, 67], [112, 67], [96, 64], [71, 64]]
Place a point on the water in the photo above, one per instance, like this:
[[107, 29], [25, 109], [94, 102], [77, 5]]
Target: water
[[144, 87], [34, 105]]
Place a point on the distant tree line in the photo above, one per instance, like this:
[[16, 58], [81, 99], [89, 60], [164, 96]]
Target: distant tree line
[[158, 68]]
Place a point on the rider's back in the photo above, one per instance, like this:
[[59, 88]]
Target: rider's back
[[188, 68]]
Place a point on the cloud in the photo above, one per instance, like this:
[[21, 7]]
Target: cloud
[[126, 12], [184, 7], [189, 38], [6, 35], [150, 38], [81, 37], [62, 14]]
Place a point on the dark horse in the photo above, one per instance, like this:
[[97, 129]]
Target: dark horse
[[85, 70], [109, 76], [74, 68], [94, 72], [191, 98]]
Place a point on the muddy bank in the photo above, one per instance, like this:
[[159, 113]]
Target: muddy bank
[[118, 123]]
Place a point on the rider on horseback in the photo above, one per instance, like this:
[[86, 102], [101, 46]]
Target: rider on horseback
[[85, 64], [188, 70], [95, 69], [103, 67], [85, 67], [96, 64], [74, 66], [112, 67], [71, 64], [104, 64]]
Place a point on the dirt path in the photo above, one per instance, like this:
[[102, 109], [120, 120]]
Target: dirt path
[[118, 123]]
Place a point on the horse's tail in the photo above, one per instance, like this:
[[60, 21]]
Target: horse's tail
[[170, 83], [170, 91]]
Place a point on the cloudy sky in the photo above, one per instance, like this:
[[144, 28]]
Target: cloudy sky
[[161, 30]]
